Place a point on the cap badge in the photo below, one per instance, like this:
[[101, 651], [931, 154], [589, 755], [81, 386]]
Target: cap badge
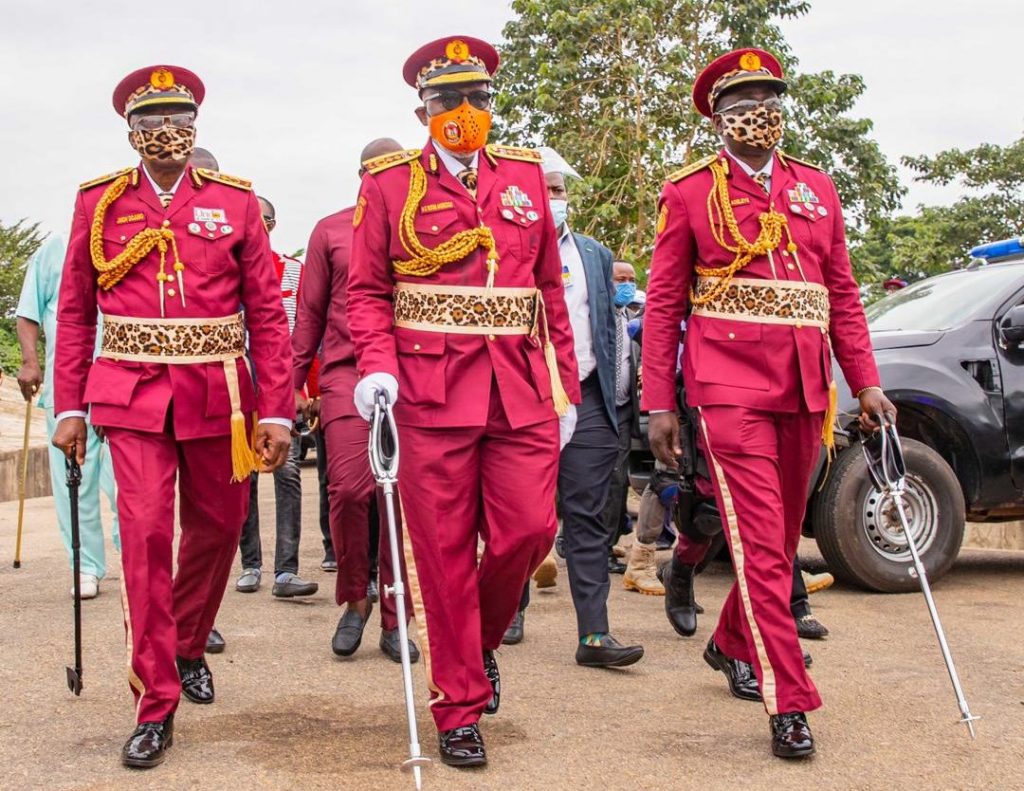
[[750, 61], [161, 79], [457, 50]]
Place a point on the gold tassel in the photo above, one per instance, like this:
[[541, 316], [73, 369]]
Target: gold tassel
[[828, 433], [243, 459], [558, 394]]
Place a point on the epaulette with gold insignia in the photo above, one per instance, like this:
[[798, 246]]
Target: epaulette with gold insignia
[[109, 177], [787, 158], [221, 178], [514, 152], [384, 161], [693, 167]]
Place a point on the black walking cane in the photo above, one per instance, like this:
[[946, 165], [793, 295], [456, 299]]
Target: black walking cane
[[884, 456], [74, 479]]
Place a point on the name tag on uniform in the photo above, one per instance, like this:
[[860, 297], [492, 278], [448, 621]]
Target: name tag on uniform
[[209, 215]]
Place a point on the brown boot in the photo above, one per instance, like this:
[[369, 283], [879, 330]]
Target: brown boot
[[546, 575], [641, 574]]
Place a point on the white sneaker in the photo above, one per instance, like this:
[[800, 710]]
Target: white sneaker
[[89, 585]]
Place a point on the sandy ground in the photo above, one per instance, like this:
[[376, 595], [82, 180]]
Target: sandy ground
[[290, 715]]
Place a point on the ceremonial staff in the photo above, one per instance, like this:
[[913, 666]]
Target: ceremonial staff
[[74, 479], [22, 485]]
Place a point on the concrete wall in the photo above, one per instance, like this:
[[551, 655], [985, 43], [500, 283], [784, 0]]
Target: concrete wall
[[997, 535], [37, 483]]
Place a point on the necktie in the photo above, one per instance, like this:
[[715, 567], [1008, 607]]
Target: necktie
[[468, 178], [761, 178], [620, 339], [166, 198]]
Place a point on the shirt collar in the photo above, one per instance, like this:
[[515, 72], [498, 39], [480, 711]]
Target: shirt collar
[[767, 169], [451, 164], [566, 233], [157, 188]]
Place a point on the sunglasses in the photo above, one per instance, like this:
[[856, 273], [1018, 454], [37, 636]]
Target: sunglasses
[[481, 100], [750, 104], [153, 122]]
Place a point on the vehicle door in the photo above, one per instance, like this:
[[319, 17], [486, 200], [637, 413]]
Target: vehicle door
[[1009, 340]]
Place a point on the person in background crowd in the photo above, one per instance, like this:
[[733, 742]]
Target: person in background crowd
[[287, 478], [894, 284], [323, 323], [37, 309]]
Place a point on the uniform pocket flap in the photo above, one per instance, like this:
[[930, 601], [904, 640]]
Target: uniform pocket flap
[[109, 383], [436, 222], [419, 342], [735, 331]]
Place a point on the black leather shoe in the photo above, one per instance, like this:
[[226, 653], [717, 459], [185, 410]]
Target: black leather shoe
[[196, 680], [810, 628], [373, 592], [514, 633], [615, 566], [610, 653], [742, 681], [791, 735], [560, 546], [349, 633], [329, 564], [215, 643], [680, 605], [462, 746], [391, 644], [288, 585], [148, 743], [491, 671]]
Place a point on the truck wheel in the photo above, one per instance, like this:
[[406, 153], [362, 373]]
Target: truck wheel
[[859, 532]]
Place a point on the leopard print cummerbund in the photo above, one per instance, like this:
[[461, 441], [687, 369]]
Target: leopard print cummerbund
[[173, 341], [468, 310], [767, 302]]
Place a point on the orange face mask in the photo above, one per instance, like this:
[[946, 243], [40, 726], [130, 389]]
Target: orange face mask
[[462, 130]]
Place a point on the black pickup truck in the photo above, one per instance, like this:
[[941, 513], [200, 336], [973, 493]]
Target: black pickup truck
[[950, 351]]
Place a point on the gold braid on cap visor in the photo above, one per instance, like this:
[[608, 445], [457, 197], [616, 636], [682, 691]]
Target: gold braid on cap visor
[[424, 261]]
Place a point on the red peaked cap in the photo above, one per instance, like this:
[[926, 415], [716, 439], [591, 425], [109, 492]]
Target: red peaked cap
[[739, 67], [160, 84], [449, 61]]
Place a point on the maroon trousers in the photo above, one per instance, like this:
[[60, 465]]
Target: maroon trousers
[[167, 617], [761, 463], [460, 485], [350, 485]]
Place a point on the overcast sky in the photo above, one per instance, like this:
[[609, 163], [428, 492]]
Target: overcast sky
[[294, 90]]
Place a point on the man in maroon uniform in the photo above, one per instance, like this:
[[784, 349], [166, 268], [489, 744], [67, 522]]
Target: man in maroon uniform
[[752, 242], [457, 313], [178, 261], [321, 322]]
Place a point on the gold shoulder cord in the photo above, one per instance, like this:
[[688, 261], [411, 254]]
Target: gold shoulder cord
[[423, 261], [719, 205], [137, 248]]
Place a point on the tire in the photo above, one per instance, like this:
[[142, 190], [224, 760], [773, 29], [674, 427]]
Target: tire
[[857, 530]]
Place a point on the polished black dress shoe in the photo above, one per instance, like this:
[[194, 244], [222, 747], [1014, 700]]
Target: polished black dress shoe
[[373, 592], [609, 653], [491, 671], [514, 633], [196, 680], [349, 633], [462, 746], [215, 643], [680, 606], [791, 735], [615, 566], [391, 644], [148, 743], [560, 546], [742, 681]]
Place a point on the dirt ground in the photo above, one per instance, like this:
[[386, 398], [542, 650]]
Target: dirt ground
[[290, 715]]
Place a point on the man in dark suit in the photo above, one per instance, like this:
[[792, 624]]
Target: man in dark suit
[[588, 460]]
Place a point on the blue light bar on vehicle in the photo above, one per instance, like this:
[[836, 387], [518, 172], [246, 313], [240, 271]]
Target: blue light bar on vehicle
[[1002, 249]]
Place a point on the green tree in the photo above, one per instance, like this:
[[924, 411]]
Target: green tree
[[17, 243], [607, 83]]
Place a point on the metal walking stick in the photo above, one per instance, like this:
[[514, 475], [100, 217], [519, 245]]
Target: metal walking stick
[[23, 484], [384, 463], [74, 479], [886, 466]]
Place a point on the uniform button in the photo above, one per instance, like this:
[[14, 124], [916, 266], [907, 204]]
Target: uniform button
[[122, 238], [490, 337], [799, 325], [416, 347], [166, 223], [790, 266], [170, 292], [732, 336], [433, 228]]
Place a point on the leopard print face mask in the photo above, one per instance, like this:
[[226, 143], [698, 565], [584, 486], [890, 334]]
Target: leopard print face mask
[[759, 127], [165, 143]]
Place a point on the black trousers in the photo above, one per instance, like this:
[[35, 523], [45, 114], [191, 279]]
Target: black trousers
[[799, 604], [584, 473], [325, 504], [615, 508]]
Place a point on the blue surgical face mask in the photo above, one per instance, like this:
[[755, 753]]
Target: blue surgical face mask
[[624, 294], [559, 211]]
